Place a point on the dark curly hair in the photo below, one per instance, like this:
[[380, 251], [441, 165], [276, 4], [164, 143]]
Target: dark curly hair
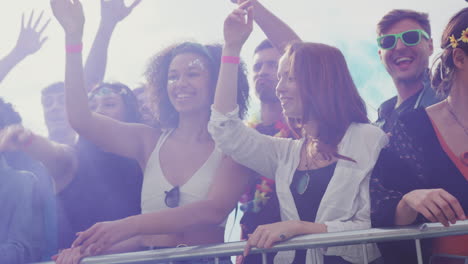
[[157, 72], [442, 78], [132, 110], [8, 115]]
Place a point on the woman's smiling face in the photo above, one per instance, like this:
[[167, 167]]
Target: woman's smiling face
[[189, 83]]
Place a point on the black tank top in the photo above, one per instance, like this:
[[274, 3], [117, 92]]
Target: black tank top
[[106, 187]]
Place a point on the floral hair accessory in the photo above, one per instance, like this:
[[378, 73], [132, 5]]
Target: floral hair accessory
[[464, 36], [454, 41]]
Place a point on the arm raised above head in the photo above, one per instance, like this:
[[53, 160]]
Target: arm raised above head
[[30, 40], [112, 12], [237, 28], [224, 122], [277, 31], [129, 140]]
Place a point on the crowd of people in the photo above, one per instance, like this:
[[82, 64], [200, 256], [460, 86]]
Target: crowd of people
[[164, 164]]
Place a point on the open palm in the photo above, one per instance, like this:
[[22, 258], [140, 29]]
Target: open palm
[[115, 11], [69, 13]]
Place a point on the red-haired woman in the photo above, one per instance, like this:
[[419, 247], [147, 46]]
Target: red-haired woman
[[322, 179]]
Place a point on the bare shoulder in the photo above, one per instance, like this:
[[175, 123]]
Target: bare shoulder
[[438, 113], [435, 108], [148, 138]]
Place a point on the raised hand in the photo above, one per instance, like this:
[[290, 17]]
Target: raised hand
[[238, 26], [437, 205], [15, 138], [114, 11], [30, 39], [69, 13], [240, 2], [102, 236]]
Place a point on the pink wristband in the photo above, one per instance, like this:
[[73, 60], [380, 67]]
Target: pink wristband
[[230, 59], [76, 48]]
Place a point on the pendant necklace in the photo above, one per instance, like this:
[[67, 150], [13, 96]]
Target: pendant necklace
[[304, 180], [464, 156], [303, 183]]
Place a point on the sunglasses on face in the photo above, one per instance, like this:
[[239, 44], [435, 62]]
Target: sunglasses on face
[[409, 38], [172, 197]]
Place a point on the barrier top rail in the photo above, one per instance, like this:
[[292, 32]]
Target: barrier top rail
[[301, 242]]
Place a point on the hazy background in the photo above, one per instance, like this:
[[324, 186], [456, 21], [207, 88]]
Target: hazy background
[[349, 25]]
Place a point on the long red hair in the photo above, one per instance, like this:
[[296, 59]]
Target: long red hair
[[329, 95]]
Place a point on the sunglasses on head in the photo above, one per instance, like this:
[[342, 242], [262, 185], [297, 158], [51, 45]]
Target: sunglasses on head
[[409, 38], [172, 197]]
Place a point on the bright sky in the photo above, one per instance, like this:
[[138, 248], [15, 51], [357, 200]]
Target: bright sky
[[350, 25]]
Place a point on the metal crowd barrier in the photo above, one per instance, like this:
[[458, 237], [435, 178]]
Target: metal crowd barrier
[[361, 237]]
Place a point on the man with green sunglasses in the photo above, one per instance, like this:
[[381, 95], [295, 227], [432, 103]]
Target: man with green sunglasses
[[405, 46]]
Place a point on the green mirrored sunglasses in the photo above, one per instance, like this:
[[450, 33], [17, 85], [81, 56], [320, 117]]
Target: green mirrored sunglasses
[[409, 38]]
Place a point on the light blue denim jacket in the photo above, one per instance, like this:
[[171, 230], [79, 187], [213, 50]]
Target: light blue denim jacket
[[21, 219]]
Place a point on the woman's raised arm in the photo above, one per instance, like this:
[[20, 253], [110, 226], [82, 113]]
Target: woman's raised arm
[[237, 28], [278, 32], [109, 134]]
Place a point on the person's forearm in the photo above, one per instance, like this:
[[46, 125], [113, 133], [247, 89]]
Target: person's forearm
[[96, 63], [305, 227], [177, 220], [9, 62], [404, 214], [57, 158], [76, 98], [278, 32], [129, 245], [226, 89]]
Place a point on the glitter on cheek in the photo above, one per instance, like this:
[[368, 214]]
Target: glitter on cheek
[[171, 81], [197, 63]]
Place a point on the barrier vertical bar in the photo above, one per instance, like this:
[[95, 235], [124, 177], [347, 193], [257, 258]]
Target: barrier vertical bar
[[217, 260], [364, 252], [418, 251], [264, 258]]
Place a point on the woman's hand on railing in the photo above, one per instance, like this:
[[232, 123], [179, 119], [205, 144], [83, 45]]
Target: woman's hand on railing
[[70, 256], [265, 236], [437, 205], [102, 236]]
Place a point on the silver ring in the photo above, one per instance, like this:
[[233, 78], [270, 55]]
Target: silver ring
[[282, 237]]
